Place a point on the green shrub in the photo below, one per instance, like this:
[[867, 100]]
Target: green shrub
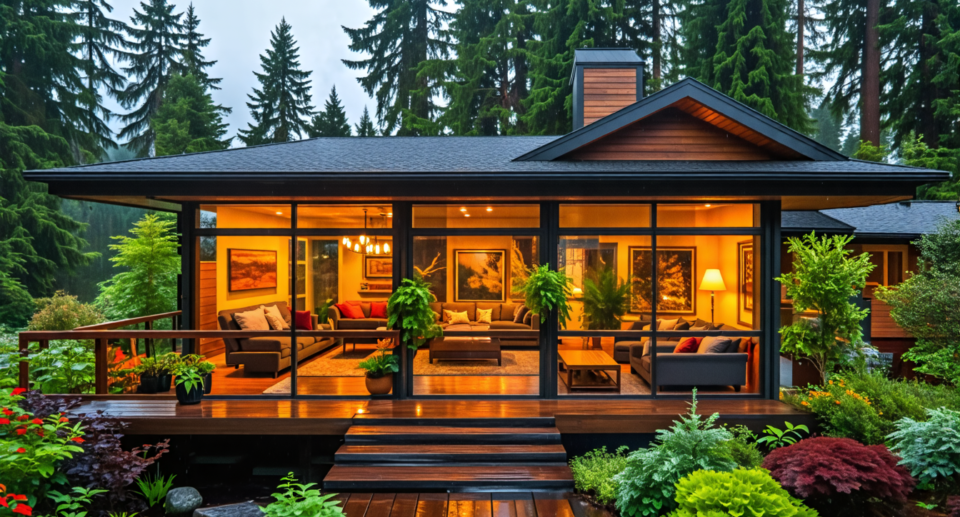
[[63, 312], [302, 500], [899, 398], [741, 492], [743, 448], [646, 485], [931, 449], [842, 412], [594, 472]]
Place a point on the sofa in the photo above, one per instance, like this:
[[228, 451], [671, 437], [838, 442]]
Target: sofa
[[726, 368], [500, 319], [268, 354], [337, 321]]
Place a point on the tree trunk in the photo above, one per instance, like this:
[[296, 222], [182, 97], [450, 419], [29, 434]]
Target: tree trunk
[[657, 41], [800, 22], [870, 77]]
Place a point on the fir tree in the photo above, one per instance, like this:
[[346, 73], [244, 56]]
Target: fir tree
[[828, 126], [282, 103], [365, 127], [156, 44], [400, 36], [193, 45], [188, 121], [101, 41], [332, 121], [699, 20], [755, 62]]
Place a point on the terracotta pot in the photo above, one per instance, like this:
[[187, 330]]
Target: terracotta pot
[[379, 385]]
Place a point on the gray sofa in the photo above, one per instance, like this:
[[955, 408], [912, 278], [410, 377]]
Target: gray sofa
[[268, 354], [500, 319]]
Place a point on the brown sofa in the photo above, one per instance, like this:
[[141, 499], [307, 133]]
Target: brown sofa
[[500, 319], [268, 354], [338, 322]]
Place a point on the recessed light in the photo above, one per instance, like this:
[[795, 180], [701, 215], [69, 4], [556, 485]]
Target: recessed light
[[466, 215], [707, 205], [279, 213], [489, 209], [463, 209]]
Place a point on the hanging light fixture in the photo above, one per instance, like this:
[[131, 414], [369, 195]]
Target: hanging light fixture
[[366, 245]]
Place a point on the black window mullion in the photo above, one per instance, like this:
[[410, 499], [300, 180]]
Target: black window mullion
[[654, 284], [294, 245]]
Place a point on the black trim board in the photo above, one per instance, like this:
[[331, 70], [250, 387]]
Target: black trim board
[[701, 93]]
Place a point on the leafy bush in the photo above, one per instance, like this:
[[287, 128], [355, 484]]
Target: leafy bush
[[594, 472], [743, 449], [839, 476], [65, 367], [931, 449], [646, 485], [842, 412], [899, 398], [63, 312], [781, 438], [741, 492], [409, 311], [300, 500], [547, 290]]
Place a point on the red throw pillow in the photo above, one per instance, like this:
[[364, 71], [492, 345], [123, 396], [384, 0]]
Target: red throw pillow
[[350, 312], [688, 346], [304, 320], [378, 310]]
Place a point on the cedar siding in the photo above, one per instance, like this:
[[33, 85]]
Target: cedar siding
[[607, 90]]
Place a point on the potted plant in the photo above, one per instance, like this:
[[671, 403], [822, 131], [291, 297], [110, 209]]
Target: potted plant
[[605, 301], [149, 371], [189, 373], [167, 362], [380, 369], [204, 368], [547, 290], [409, 310]]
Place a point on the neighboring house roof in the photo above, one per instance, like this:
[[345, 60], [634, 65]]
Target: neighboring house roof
[[591, 56], [906, 219]]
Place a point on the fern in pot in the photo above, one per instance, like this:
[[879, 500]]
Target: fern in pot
[[409, 311], [547, 290], [379, 369], [605, 301]]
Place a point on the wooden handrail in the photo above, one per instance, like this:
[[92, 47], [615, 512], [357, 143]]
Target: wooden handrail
[[109, 325]]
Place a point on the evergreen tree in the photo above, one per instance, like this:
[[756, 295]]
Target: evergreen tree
[[156, 44], [101, 40], [400, 36], [188, 121], [332, 121], [365, 127], [699, 20], [280, 106], [755, 62], [193, 45], [828, 126]]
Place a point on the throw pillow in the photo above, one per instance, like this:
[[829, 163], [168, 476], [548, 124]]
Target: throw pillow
[[528, 318], [520, 313], [683, 325], [378, 310], [304, 320], [646, 346], [688, 346], [251, 320], [698, 328], [484, 315], [457, 318], [274, 318], [349, 311], [667, 324], [714, 345]]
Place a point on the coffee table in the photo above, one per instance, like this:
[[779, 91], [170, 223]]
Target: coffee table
[[585, 361], [457, 348]]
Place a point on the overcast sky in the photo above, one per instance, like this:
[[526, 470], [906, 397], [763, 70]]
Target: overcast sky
[[240, 32]]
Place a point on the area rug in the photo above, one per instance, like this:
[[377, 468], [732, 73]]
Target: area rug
[[334, 363], [629, 385], [514, 363]]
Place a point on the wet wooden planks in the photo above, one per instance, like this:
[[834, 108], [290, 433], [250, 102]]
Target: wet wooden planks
[[518, 504]]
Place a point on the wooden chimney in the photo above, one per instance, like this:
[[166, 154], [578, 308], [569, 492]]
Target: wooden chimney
[[605, 80]]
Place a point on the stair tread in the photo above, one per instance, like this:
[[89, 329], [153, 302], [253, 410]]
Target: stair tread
[[449, 473], [449, 448], [415, 430]]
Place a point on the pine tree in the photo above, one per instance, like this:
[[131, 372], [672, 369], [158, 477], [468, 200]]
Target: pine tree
[[755, 62], [365, 127], [828, 126], [156, 44], [699, 20], [332, 121], [193, 45], [400, 36], [282, 103], [188, 121]]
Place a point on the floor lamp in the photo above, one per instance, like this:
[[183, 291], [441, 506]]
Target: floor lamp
[[713, 282]]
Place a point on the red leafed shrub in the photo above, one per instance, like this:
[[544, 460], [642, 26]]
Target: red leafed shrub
[[840, 476], [953, 506]]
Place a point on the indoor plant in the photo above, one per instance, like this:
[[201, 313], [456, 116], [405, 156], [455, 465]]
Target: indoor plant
[[410, 312], [547, 290], [380, 368], [605, 301]]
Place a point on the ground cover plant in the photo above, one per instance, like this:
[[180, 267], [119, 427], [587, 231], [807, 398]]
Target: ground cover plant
[[296, 500], [736, 493], [594, 472], [930, 449], [842, 412]]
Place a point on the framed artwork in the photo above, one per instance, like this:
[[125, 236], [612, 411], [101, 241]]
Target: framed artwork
[[745, 283], [676, 268], [523, 260], [377, 267], [479, 275], [584, 257], [251, 269], [430, 262]]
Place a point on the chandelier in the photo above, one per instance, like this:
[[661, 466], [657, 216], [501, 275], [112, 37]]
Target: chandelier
[[365, 245]]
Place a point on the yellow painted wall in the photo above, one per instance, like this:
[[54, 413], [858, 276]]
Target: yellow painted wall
[[227, 299]]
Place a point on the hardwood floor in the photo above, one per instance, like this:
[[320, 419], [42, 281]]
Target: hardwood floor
[[517, 504]]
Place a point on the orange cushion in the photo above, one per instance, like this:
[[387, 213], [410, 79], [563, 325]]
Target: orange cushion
[[688, 346], [350, 312], [378, 310]]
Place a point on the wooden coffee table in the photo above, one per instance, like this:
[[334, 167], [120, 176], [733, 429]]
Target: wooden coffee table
[[585, 361]]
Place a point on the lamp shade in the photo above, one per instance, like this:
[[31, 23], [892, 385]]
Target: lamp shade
[[712, 281]]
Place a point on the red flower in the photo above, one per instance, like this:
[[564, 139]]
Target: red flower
[[76, 439], [36, 421], [21, 431], [21, 450], [23, 509], [39, 433], [7, 412], [17, 391], [23, 417], [64, 419], [20, 497], [4, 421], [3, 502]]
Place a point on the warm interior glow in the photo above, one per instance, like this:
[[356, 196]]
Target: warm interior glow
[[712, 281], [466, 215], [386, 247], [707, 205], [463, 209], [346, 241], [279, 213], [489, 209]]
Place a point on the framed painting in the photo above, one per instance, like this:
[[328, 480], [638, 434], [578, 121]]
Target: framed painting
[[430, 262], [479, 275], [745, 281], [251, 269], [676, 268], [523, 260], [377, 267]]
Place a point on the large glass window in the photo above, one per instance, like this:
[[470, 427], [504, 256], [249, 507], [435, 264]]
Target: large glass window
[[345, 216], [605, 216], [243, 216], [472, 215], [708, 215]]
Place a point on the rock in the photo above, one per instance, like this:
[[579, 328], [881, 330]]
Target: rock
[[231, 510], [182, 501]]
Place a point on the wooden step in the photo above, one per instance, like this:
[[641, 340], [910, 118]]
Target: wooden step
[[431, 453], [364, 435], [449, 477], [379, 420]]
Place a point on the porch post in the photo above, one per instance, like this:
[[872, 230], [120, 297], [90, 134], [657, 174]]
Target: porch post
[[770, 300], [549, 221], [402, 268], [188, 258]]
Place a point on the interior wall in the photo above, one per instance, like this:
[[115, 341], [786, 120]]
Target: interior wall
[[227, 299], [352, 274]]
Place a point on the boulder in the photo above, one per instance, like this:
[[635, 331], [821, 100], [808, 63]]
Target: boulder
[[230, 510], [182, 501]]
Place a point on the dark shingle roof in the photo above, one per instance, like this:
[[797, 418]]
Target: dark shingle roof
[[583, 56], [908, 218], [806, 220], [459, 156]]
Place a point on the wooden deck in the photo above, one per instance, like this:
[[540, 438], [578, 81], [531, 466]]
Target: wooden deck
[[333, 417], [520, 504]]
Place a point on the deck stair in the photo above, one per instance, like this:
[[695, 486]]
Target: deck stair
[[455, 455]]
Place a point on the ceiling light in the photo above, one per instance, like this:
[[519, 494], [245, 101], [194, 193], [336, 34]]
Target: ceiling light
[[279, 213], [466, 215], [489, 209], [707, 205], [463, 209]]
